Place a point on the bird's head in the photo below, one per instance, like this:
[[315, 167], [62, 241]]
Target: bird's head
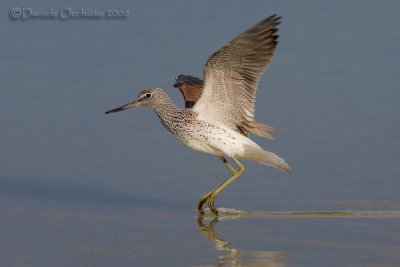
[[149, 98]]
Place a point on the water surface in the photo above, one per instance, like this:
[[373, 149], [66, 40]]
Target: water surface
[[79, 188]]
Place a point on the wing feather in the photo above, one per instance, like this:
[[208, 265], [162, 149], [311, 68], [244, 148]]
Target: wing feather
[[231, 76]]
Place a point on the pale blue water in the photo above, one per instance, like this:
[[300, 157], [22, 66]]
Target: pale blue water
[[81, 188]]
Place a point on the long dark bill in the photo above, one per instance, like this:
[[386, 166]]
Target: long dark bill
[[129, 105]]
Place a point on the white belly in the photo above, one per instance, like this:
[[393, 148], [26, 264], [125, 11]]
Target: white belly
[[217, 141]]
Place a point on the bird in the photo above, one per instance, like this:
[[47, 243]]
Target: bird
[[191, 88], [219, 121]]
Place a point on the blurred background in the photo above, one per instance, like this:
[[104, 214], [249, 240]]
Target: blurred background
[[78, 187]]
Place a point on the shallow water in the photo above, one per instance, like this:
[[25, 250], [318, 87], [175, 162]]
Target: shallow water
[[81, 188]]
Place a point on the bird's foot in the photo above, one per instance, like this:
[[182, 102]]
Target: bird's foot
[[211, 205], [209, 198], [201, 204]]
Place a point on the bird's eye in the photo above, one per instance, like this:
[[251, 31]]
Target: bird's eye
[[148, 95]]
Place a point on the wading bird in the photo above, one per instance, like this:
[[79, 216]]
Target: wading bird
[[222, 117]]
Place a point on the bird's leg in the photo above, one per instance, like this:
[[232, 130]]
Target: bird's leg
[[233, 171], [215, 192], [204, 198], [210, 197]]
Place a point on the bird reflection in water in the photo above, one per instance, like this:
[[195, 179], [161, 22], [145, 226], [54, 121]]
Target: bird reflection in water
[[236, 257]]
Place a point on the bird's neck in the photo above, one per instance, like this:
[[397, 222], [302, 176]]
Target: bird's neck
[[172, 117], [164, 106], [166, 110]]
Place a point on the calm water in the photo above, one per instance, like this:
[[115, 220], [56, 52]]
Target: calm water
[[79, 188]]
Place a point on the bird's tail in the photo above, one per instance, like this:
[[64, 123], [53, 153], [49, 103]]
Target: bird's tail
[[265, 157], [260, 129]]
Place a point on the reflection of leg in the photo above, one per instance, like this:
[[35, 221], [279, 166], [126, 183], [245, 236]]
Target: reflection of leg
[[209, 231], [210, 196], [235, 257]]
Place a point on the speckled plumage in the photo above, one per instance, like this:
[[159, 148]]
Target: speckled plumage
[[231, 77], [220, 120], [191, 89], [201, 134]]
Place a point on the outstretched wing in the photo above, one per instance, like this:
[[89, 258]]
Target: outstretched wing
[[190, 88], [231, 76]]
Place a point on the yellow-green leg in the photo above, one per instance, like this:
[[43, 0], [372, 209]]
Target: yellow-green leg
[[204, 198], [216, 191], [210, 196], [233, 171]]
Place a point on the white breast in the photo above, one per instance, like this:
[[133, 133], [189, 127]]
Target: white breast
[[215, 140]]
